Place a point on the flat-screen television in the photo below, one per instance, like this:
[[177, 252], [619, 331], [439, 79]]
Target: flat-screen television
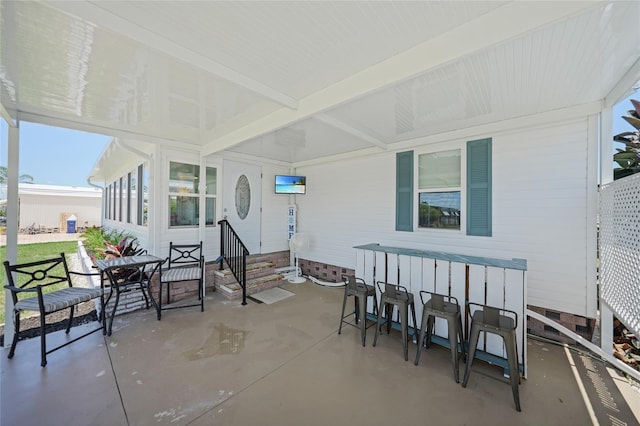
[[286, 184]]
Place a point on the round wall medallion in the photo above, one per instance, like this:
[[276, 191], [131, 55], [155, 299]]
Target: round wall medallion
[[243, 197]]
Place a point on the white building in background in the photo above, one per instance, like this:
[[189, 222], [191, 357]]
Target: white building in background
[[47, 207]]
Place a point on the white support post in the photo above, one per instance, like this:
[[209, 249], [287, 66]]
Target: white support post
[[202, 195], [155, 221], [606, 328], [12, 223], [606, 176]]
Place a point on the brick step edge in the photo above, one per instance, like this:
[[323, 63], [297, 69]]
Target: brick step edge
[[250, 268], [230, 280], [234, 291]]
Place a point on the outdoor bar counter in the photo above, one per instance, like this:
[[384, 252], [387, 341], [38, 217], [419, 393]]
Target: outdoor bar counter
[[497, 282]]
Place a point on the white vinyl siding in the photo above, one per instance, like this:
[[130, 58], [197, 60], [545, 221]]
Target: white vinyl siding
[[274, 210], [539, 211]]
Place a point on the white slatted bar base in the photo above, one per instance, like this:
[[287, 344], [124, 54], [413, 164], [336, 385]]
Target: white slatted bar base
[[471, 279]]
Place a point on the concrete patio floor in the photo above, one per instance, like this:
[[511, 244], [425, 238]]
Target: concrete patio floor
[[285, 364]]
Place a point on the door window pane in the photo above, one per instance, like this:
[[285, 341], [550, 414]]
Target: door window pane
[[210, 211]]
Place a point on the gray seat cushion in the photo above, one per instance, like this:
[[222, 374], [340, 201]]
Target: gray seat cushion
[[59, 299], [181, 274]]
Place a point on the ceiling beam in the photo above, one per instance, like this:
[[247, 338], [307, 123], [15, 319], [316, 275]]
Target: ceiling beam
[[93, 126], [628, 84], [501, 24], [338, 124], [106, 20], [7, 117], [466, 133]]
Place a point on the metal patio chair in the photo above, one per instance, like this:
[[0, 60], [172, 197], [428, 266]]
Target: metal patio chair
[[45, 287], [184, 263]]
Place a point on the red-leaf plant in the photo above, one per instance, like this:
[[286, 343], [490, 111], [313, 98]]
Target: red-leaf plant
[[126, 247]]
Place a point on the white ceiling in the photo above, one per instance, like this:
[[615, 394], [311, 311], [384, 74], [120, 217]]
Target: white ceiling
[[299, 81]]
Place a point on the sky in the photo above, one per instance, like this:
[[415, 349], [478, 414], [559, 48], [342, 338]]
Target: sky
[[620, 109], [56, 156]]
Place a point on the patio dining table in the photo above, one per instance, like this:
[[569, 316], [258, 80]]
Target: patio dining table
[[126, 274]]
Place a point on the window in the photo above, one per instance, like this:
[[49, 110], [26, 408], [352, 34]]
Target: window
[[184, 194], [184, 203], [112, 215], [122, 191], [133, 200], [143, 206], [127, 198], [439, 190], [107, 202], [210, 200]]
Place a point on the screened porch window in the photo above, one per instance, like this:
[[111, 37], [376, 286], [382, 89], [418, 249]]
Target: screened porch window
[[143, 207], [133, 196]]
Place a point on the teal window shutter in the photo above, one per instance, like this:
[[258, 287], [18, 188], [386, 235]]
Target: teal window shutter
[[479, 187], [404, 191]]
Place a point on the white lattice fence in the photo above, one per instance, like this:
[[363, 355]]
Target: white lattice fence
[[620, 249]]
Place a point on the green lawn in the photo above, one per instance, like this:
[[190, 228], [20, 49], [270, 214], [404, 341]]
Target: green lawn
[[32, 253]]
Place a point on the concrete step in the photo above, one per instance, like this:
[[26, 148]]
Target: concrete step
[[251, 268], [234, 291], [254, 271]]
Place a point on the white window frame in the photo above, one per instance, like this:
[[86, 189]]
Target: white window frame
[[432, 149], [196, 195], [201, 194], [206, 196]]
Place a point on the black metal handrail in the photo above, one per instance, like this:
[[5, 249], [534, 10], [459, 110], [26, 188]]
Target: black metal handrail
[[234, 252]]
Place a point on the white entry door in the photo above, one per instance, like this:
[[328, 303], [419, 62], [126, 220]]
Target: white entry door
[[242, 200]]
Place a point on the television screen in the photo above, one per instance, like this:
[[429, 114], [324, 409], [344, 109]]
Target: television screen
[[291, 184]]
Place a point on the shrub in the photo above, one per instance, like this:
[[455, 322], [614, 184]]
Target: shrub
[[101, 244], [125, 247]]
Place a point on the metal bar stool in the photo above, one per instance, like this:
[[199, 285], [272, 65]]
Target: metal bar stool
[[493, 320], [392, 295], [357, 288], [450, 311]]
